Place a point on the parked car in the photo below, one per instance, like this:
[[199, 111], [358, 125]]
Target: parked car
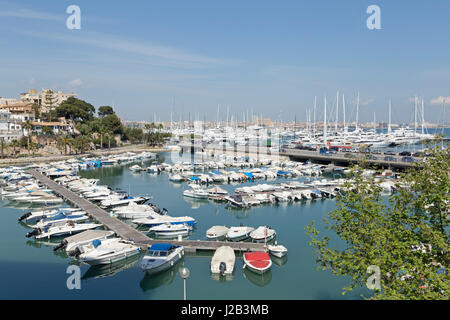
[[390, 158], [408, 159], [405, 153]]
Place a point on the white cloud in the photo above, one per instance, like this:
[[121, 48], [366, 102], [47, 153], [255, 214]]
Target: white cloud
[[75, 83], [439, 100]]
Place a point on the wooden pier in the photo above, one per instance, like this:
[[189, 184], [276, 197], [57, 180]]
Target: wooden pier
[[127, 232]]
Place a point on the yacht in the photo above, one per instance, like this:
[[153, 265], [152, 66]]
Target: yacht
[[196, 192], [170, 230]]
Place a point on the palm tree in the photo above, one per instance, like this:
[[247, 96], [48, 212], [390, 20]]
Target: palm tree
[[64, 141], [28, 125]]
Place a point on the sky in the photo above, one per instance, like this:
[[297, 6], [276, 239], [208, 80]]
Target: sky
[[153, 58]]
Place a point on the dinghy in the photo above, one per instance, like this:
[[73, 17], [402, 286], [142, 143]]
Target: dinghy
[[239, 233], [277, 250], [217, 233], [223, 261], [258, 262], [262, 234]]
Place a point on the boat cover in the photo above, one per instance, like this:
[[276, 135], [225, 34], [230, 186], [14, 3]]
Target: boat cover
[[161, 247]]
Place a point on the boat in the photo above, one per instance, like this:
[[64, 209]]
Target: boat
[[239, 233], [258, 262], [134, 211], [217, 233], [176, 178], [71, 243], [155, 220], [168, 229], [107, 251], [61, 229], [262, 234], [277, 250], [33, 216], [223, 260], [60, 217], [160, 257], [136, 168], [196, 192]]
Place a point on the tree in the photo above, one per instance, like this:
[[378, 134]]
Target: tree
[[47, 131], [405, 234], [105, 111], [64, 142], [14, 144], [112, 124], [76, 109], [37, 111], [28, 125], [49, 99]]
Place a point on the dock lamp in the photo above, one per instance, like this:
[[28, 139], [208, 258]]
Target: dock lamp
[[184, 273]]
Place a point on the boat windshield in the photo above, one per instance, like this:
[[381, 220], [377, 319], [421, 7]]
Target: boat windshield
[[157, 253]]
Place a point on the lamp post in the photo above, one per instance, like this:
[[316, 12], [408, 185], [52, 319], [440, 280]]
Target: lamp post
[[184, 273]]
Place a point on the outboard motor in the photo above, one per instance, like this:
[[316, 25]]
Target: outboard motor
[[76, 253], [165, 211], [26, 215], [222, 268], [35, 232], [62, 245]]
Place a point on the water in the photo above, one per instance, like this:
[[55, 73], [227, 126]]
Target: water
[[31, 270]]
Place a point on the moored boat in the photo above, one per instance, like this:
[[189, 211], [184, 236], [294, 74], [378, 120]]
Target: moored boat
[[258, 262]]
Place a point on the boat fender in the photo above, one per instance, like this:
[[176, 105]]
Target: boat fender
[[171, 263]]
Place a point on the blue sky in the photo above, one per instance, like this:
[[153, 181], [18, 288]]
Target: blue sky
[[266, 56]]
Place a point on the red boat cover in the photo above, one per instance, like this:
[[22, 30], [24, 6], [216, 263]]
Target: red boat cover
[[258, 260]]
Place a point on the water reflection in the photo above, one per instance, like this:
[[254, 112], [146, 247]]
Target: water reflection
[[153, 281], [103, 271], [196, 203], [279, 261], [220, 278], [260, 280]]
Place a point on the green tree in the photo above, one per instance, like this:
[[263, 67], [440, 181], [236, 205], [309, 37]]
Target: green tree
[[405, 234], [105, 111], [28, 125], [112, 123], [76, 110], [48, 131]]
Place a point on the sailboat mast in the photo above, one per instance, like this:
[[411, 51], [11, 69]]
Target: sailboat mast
[[337, 112], [423, 116], [390, 110], [357, 112], [314, 119], [325, 121], [343, 106], [415, 115]]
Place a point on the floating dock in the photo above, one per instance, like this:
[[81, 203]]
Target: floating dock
[[127, 232]]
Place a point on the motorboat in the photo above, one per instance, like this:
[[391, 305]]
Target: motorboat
[[277, 250], [155, 220], [136, 168], [60, 217], [196, 192], [107, 251], [176, 178], [168, 229], [123, 201], [160, 257], [33, 216], [61, 229], [223, 260], [134, 211], [258, 262], [69, 244], [239, 233], [262, 234], [217, 233]]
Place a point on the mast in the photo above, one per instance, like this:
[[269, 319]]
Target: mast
[[314, 119], [415, 115], [374, 123], [423, 117], [217, 118], [343, 106], [389, 125], [337, 112], [357, 112], [325, 121]]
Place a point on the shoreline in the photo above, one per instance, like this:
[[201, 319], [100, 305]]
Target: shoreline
[[104, 152]]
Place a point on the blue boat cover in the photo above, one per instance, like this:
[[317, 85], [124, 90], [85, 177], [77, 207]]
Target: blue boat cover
[[193, 178], [317, 191], [96, 243], [215, 172], [161, 246], [249, 174]]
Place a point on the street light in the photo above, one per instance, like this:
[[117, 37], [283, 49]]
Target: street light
[[184, 273]]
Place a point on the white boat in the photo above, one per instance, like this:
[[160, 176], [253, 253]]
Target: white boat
[[160, 257], [239, 233], [33, 216], [277, 250], [262, 234], [107, 251], [196, 192], [70, 244], [136, 168], [223, 260], [134, 211], [258, 262], [61, 229], [59, 218], [217, 233], [168, 229], [155, 220], [176, 178]]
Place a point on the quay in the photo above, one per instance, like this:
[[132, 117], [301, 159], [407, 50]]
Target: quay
[[127, 232], [343, 159]]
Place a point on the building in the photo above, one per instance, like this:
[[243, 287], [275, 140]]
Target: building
[[8, 130], [46, 99], [20, 111]]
